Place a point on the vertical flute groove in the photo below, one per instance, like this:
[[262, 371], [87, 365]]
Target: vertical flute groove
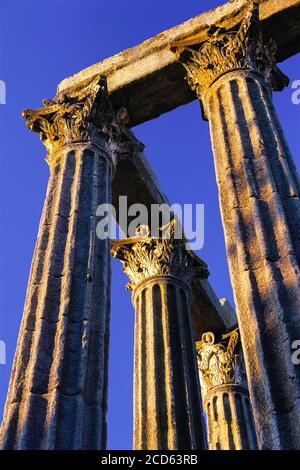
[[167, 411], [262, 248], [61, 394]]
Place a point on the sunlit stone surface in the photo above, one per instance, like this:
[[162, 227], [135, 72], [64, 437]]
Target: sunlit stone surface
[[57, 396], [233, 73], [167, 404], [224, 390]]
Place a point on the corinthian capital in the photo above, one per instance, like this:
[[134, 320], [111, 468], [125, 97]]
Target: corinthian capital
[[81, 115], [226, 50], [72, 117], [144, 256], [219, 362]]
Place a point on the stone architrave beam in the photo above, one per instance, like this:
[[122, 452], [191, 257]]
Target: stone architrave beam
[[148, 80]]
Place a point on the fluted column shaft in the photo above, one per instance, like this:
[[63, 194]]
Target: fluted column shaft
[[167, 402], [259, 191], [167, 410], [260, 208], [58, 388], [224, 389], [229, 420]]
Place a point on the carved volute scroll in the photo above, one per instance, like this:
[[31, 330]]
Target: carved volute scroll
[[228, 50], [83, 115], [144, 256], [217, 361]]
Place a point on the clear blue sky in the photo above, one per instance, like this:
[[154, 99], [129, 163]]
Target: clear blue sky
[[44, 41]]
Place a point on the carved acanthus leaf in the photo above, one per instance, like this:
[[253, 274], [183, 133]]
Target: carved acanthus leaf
[[82, 115], [144, 256], [226, 50], [121, 140], [72, 117], [217, 362]]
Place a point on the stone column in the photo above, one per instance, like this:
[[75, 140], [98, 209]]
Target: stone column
[[57, 396], [232, 74], [225, 395], [167, 404]]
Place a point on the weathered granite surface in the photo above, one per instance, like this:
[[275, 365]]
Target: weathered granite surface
[[57, 396], [225, 393], [259, 193]]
